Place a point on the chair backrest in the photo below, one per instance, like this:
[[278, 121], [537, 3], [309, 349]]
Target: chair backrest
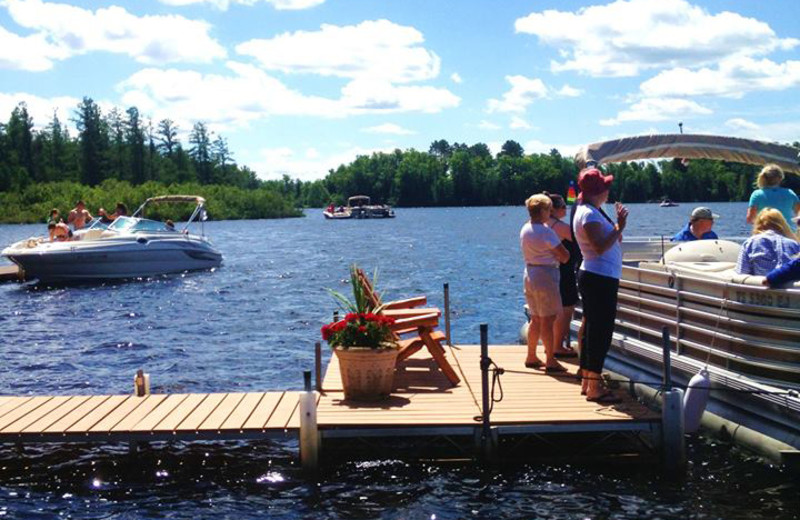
[[369, 291]]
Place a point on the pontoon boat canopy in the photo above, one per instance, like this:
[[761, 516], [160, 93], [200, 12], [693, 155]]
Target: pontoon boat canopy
[[733, 149], [360, 199]]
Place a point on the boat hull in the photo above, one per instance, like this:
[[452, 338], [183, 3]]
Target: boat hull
[[117, 260]]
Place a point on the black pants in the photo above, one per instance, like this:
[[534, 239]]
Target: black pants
[[599, 299]]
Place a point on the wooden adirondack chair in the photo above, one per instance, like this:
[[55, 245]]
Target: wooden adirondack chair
[[425, 336], [398, 308]]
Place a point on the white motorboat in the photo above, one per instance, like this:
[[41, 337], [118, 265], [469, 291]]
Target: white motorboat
[[128, 247], [744, 334]]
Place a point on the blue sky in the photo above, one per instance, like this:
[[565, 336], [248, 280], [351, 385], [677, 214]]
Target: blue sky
[[300, 86]]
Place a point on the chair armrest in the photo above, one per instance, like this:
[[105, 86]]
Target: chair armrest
[[424, 320], [406, 303]]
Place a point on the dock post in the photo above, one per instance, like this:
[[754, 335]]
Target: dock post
[[447, 313], [487, 440], [672, 420], [309, 434], [318, 364]]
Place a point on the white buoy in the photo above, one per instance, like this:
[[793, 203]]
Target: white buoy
[[309, 432], [695, 400]]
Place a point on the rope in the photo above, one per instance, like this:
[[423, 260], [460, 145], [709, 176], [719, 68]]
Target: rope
[[496, 384]]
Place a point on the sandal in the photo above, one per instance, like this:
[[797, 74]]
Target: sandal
[[554, 370], [533, 364], [569, 352], [605, 398]]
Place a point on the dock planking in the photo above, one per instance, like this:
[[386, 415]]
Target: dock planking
[[423, 402], [124, 418]]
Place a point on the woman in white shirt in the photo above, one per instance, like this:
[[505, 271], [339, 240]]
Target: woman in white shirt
[[598, 278], [542, 251]]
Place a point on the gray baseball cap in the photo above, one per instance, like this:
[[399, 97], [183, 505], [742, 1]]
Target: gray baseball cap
[[703, 213]]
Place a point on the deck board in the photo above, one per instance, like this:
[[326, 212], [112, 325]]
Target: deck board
[[180, 413], [55, 414], [21, 411], [147, 405], [12, 404], [258, 419], [242, 412], [99, 413], [218, 416], [199, 414], [156, 416], [34, 415], [283, 414], [77, 414]]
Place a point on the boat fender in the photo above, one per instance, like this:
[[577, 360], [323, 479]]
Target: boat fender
[[695, 400]]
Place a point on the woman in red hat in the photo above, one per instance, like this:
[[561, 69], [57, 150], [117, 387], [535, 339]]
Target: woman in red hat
[[598, 278]]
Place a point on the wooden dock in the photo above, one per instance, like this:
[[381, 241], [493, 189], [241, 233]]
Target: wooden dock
[[424, 404], [11, 273]]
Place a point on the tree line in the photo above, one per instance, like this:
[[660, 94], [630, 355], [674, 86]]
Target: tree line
[[461, 175], [121, 156]]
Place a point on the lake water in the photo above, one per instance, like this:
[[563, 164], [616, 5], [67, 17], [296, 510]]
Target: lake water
[[251, 326]]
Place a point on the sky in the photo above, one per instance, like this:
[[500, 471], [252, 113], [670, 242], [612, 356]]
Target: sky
[[299, 87]]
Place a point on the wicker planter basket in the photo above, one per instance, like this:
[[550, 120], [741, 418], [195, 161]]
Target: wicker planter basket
[[367, 374]]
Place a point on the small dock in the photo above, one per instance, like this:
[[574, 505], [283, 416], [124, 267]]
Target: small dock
[[424, 404], [11, 273]]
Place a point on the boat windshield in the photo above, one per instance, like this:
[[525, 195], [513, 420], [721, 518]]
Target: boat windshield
[[139, 225]]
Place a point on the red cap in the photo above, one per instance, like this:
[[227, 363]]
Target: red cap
[[591, 181]]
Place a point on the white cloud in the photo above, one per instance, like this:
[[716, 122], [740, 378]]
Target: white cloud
[[33, 53], [456, 78], [517, 123], [488, 125], [523, 92], [783, 132], [41, 109], [625, 37], [732, 78], [567, 91], [658, 109], [388, 128], [273, 163], [536, 146], [251, 94], [223, 4], [738, 123], [62, 31], [378, 50]]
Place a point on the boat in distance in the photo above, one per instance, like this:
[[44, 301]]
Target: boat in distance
[[128, 247], [358, 206]]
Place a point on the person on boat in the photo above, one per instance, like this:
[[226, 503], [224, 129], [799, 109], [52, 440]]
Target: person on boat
[[104, 217], [699, 226], [599, 240], [771, 246], [542, 251], [786, 273], [59, 232], [121, 210], [55, 217], [170, 224], [79, 216], [568, 282], [770, 194], [331, 208]]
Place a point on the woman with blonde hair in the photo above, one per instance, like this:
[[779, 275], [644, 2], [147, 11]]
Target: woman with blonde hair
[[542, 251], [772, 245], [770, 194]]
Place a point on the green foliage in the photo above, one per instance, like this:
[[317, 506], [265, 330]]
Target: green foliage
[[33, 203]]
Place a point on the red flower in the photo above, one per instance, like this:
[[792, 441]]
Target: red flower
[[362, 329]]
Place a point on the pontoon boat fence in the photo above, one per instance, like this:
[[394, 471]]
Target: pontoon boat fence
[[689, 146]]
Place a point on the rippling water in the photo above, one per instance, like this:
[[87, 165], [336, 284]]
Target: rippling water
[[252, 324]]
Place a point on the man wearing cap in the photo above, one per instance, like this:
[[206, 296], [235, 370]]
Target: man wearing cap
[[698, 227]]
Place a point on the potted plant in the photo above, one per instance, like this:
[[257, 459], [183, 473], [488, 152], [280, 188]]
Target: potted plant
[[364, 345]]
